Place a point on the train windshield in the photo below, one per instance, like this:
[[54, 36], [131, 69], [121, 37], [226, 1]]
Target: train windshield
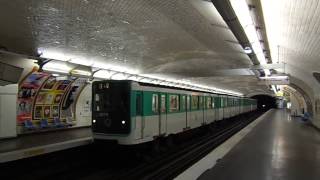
[[111, 107]]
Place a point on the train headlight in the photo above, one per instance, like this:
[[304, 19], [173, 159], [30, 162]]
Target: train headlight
[[94, 121], [123, 122]]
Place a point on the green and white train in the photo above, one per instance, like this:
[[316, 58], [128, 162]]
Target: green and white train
[[132, 113]]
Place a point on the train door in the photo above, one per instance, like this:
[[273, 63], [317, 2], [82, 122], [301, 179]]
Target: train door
[[140, 121], [213, 109], [222, 108], [201, 110], [205, 110], [216, 106], [188, 112], [163, 114], [183, 109]]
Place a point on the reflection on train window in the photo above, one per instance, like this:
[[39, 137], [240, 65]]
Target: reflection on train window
[[97, 97], [183, 103], [194, 102], [209, 104], [212, 102], [163, 103], [138, 105], [174, 103], [155, 103]]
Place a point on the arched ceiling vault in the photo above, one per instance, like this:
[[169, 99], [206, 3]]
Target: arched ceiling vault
[[183, 39], [293, 32]]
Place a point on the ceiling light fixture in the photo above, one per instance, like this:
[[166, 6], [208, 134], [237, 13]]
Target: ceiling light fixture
[[247, 50], [241, 8], [56, 66], [274, 77]]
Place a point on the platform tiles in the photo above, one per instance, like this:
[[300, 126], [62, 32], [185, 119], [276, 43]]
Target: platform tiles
[[211, 159], [38, 144]]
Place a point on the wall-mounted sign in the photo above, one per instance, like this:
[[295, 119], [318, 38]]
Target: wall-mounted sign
[[274, 82]]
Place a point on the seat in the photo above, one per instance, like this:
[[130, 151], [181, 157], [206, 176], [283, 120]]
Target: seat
[[44, 123], [57, 122], [28, 124]]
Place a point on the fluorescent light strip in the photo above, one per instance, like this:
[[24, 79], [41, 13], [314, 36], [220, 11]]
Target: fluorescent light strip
[[275, 77], [242, 11], [56, 66], [59, 64]]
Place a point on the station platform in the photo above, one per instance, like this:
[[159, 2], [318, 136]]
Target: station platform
[[278, 147], [41, 143]]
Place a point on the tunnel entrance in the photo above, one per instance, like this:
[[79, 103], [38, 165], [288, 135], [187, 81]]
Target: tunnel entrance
[[265, 102]]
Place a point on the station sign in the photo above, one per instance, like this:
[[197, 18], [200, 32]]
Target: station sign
[[274, 81]]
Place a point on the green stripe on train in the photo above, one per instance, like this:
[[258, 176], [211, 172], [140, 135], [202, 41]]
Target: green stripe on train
[[219, 102]]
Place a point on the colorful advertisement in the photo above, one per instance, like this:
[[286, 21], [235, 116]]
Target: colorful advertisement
[[50, 97], [43, 97], [68, 106], [27, 92]]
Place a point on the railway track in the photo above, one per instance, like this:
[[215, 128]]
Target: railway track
[[174, 164], [109, 161]]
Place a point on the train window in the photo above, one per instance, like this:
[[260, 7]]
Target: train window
[[188, 102], [163, 103], [200, 102], [183, 103], [209, 104], [212, 102], [174, 103], [138, 105], [97, 97], [194, 102], [155, 103]]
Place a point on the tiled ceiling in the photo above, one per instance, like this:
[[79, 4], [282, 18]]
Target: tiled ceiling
[[293, 29], [180, 38]]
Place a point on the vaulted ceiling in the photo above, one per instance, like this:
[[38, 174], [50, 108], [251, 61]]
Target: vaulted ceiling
[[293, 29], [182, 39]]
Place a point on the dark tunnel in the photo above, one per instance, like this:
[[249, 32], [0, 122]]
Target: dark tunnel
[[265, 102]]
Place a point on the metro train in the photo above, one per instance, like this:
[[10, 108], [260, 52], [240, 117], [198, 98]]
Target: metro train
[[133, 113]]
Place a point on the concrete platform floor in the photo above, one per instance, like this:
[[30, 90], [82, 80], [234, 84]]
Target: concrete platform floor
[[280, 147], [41, 143]]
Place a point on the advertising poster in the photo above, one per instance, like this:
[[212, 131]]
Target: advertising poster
[[63, 85], [47, 111], [50, 97], [26, 95], [50, 83], [68, 106], [55, 111], [38, 111], [57, 98], [42, 96]]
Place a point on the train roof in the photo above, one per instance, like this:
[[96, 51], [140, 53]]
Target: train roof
[[177, 88]]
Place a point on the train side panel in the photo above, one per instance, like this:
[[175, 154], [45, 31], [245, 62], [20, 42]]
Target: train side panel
[[134, 114]]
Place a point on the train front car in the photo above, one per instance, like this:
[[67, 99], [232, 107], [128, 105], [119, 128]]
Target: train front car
[[111, 109]]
